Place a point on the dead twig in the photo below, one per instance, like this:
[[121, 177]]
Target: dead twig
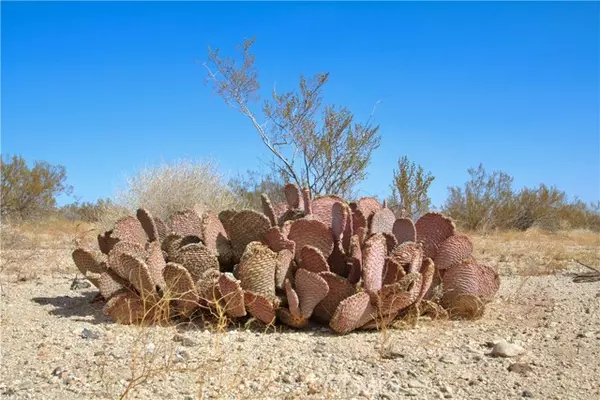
[[587, 277]]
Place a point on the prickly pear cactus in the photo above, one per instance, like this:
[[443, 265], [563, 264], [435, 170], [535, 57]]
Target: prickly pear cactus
[[308, 260]]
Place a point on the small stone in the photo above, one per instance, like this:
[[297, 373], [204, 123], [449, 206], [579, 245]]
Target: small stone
[[181, 355], [364, 393], [89, 334], [520, 368], [526, 393], [505, 349], [80, 283], [184, 340], [58, 371], [286, 379], [585, 335], [150, 347]]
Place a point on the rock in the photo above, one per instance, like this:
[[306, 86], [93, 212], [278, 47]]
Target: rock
[[58, 371], [505, 349], [181, 355], [520, 368], [526, 393], [585, 335], [89, 334], [150, 347], [364, 393], [80, 283], [184, 340]]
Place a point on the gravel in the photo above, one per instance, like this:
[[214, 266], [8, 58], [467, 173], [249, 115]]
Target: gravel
[[56, 344]]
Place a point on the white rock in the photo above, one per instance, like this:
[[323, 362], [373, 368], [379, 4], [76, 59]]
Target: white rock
[[506, 349]]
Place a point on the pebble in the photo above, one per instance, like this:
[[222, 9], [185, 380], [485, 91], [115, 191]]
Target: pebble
[[89, 334], [526, 393], [150, 347], [184, 340], [506, 349], [80, 283], [520, 368], [181, 355]]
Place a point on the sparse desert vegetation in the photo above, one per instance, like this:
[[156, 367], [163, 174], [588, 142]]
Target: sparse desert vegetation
[[417, 216], [56, 342]]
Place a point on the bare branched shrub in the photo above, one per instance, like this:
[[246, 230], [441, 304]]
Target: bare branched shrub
[[409, 189], [315, 145], [169, 187]]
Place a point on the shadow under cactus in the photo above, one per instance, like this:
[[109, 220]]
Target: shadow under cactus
[[78, 307]]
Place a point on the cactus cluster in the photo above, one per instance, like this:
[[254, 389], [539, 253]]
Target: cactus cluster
[[347, 265]]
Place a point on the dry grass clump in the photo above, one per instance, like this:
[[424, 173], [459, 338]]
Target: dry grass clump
[[537, 251], [168, 187]]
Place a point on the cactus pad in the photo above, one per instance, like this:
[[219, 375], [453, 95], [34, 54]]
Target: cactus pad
[[260, 307], [312, 233], [470, 278], [311, 289], [232, 296], [257, 270], [432, 229], [186, 223], [383, 221], [404, 230], [197, 259], [339, 289], [126, 308], [352, 313], [129, 229], [373, 262], [148, 224], [244, 227], [89, 260], [292, 195], [180, 289], [453, 250], [312, 259], [268, 209], [215, 237]]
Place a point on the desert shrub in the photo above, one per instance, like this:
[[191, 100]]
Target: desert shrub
[[488, 201], [27, 192], [319, 146], [85, 211], [249, 188], [485, 202], [169, 187], [409, 189]]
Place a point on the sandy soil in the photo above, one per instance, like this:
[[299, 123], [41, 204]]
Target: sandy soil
[[56, 344]]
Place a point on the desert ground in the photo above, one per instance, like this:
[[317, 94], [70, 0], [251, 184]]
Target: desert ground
[[56, 343]]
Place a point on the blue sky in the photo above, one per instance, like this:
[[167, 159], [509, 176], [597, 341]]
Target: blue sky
[[105, 88]]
